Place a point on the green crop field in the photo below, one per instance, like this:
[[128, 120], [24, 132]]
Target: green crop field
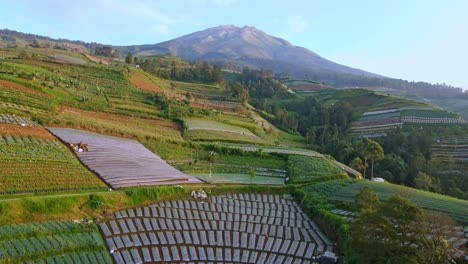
[[346, 190], [52, 242], [201, 129], [38, 165], [307, 168], [238, 178]]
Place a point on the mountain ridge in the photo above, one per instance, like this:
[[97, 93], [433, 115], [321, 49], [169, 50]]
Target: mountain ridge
[[244, 46]]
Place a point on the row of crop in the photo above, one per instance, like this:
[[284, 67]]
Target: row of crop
[[37, 165], [305, 169], [25, 98], [12, 119], [14, 147], [430, 120], [11, 231], [428, 113], [25, 140], [42, 242]]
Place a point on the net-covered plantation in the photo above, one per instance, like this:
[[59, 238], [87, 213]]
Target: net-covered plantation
[[237, 228]]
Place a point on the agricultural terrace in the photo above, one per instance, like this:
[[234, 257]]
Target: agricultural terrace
[[32, 160], [275, 149], [307, 169], [88, 87], [202, 91], [52, 242], [346, 190], [320, 165], [202, 129], [144, 81], [377, 123], [17, 120], [122, 162], [235, 228], [226, 167]]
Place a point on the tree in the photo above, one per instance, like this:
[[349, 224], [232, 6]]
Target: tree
[[392, 232], [358, 165], [366, 200], [424, 182], [240, 92], [129, 58], [435, 247], [394, 167], [373, 151]]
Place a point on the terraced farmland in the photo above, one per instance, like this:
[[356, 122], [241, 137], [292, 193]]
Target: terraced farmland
[[201, 129], [319, 160], [37, 163], [122, 162], [449, 152], [377, 123], [52, 242], [18, 120], [307, 169], [346, 190], [238, 228]]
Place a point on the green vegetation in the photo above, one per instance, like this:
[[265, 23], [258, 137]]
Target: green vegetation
[[233, 178], [52, 241], [208, 130], [32, 164], [345, 190], [310, 169]]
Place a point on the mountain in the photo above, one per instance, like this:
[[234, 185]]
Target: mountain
[[246, 46]]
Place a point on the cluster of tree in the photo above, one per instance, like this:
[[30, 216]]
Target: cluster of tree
[[261, 83], [397, 232], [239, 92], [424, 89], [407, 155], [321, 125], [167, 68], [106, 51]]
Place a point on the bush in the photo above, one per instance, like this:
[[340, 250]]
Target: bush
[[95, 201]]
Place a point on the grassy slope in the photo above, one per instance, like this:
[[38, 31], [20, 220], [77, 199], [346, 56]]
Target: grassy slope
[[345, 191]]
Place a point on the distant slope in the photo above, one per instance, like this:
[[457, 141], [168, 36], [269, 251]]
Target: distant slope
[[246, 46]]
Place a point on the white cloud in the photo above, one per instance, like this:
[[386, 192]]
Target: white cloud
[[297, 24]]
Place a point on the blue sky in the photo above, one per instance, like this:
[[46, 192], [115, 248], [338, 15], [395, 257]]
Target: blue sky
[[412, 39]]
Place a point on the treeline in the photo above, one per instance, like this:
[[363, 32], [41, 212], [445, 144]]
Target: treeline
[[424, 89]]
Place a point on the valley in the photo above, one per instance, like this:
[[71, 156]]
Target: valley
[[282, 159]]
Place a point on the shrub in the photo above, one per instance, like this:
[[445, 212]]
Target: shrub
[[95, 201]]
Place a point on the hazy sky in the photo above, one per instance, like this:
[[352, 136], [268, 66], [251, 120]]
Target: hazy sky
[[411, 39]]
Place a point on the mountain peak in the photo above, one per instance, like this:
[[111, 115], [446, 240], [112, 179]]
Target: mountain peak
[[249, 46]]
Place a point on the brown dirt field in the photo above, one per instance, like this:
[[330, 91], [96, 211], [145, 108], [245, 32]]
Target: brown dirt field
[[98, 60], [19, 87], [13, 129], [144, 83]]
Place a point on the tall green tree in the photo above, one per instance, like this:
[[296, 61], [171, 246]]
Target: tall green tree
[[129, 58], [373, 151]]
